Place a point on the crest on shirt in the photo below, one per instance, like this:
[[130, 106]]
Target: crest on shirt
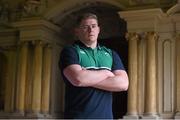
[[107, 54], [82, 52]]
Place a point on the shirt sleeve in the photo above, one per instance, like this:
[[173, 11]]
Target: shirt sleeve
[[68, 57], [117, 63]]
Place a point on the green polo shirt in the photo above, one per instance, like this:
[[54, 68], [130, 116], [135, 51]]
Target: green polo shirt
[[97, 58], [88, 102]]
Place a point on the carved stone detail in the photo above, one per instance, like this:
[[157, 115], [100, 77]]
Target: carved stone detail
[[4, 12]]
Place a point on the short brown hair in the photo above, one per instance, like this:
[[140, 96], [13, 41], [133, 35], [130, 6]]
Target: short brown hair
[[86, 16]]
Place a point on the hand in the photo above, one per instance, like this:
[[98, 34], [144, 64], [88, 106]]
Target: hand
[[109, 73]]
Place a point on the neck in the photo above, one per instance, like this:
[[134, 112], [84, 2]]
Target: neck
[[91, 45]]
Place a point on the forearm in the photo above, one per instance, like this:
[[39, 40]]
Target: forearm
[[82, 77], [92, 77], [116, 83]]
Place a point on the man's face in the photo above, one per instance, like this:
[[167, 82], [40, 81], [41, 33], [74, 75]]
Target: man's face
[[88, 30]]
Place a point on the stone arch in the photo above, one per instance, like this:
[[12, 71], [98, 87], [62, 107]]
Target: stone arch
[[65, 14], [3, 69], [68, 6]]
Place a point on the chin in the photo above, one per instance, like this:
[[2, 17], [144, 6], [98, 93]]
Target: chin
[[93, 40]]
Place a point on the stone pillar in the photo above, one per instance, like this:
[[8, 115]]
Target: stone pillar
[[150, 111], [22, 72], [133, 75], [8, 84], [177, 116], [47, 61], [37, 78]]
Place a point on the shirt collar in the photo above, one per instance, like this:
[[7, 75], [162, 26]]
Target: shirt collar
[[84, 46]]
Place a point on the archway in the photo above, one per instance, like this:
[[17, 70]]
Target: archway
[[113, 30]]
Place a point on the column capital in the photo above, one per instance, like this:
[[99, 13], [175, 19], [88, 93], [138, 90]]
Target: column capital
[[20, 43], [142, 35], [151, 35], [48, 45], [132, 36], [41, 43], [37, 42]]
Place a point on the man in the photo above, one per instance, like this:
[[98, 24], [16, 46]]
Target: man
[[91, 73]]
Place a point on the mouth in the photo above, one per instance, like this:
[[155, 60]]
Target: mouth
[[91, 35]]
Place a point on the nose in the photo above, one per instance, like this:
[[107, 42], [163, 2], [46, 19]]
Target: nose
[[90, 28]]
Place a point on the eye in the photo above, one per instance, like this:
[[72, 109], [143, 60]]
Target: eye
[[94, 26], [84, 27]]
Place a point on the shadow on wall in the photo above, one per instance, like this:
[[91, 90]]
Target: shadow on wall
[[2, 80]]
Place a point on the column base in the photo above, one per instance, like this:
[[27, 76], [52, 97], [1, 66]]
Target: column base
[[18, 114], [34, 115], [47, 115], [134, 116], [150, 116], [9, 115], [177, 115], [23, 115]]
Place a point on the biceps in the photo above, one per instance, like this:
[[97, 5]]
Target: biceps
[[71, 72], [120, 72], [122, 78]]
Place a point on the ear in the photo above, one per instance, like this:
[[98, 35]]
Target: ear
[[99, 29]]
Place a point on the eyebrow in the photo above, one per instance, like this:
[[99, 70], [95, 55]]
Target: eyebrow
[[90, 24]]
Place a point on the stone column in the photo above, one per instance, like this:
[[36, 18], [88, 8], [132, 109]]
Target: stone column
[[8, 83], [37, 78], [47, 61], [133, 74], [177, 116], [151, 77], [22, 72]]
